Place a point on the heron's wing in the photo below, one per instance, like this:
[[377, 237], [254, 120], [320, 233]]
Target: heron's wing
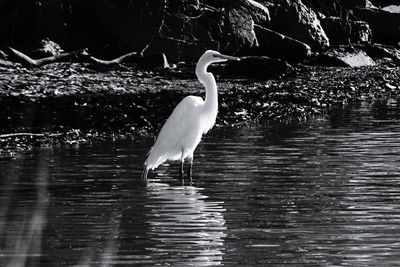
[[180, 123]]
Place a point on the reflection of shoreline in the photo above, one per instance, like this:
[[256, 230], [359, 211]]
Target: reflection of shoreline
[[24, 248], [187, 230]]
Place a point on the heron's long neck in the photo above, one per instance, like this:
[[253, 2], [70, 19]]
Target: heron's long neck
[[206, 78]]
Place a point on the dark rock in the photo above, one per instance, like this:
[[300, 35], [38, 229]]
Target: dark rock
[[385, 25], [345, 58], [274, 44], [240, 31], [261, 67], [258, 12], [361, 32], [338, 33], [294, 19], [382, 51], [229, 29]]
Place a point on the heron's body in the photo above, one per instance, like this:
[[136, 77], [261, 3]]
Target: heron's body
[[191, 118], [180, 134]]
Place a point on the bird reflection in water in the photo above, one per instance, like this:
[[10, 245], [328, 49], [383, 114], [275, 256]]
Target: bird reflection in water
[[186, 229]]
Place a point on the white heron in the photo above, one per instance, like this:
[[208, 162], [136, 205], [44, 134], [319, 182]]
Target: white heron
[[191, 118]]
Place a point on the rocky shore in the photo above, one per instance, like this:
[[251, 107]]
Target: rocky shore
[[67, 103]]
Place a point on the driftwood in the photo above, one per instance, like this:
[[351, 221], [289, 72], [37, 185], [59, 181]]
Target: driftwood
[[26, 61], [113, 62], [158, 60]]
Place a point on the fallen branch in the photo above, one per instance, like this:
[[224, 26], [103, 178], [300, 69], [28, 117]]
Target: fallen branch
[[113, 62], [27, 61], [3, 136], [155, 60]]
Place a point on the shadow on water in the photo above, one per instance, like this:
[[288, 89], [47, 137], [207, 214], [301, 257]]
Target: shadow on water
[[320, 193]]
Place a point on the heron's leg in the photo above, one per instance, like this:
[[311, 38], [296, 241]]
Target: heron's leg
[[144, 175], [190, 169], [181, 169]]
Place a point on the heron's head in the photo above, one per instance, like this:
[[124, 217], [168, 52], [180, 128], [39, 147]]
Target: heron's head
[[211, 56]]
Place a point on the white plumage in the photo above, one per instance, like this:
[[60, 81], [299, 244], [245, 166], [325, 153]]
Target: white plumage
[[191, 118]]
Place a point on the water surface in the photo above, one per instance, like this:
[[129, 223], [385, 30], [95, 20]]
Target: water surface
[[325, 192]]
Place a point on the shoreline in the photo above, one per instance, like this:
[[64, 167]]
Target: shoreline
[[67, 103]]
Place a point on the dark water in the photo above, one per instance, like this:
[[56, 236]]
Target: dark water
[[323, 193]]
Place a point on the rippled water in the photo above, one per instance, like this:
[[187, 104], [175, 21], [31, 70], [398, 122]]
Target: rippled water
[[325, 193]]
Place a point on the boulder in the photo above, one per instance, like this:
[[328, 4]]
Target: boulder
[[360, 32], [274, 44], [239, 31], [294, 19], [345, 58], [338, 33], [377, 51], [260, 67], [259, 12], [385, 26]]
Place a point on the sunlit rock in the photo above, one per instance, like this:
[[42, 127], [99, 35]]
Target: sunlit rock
[[345, 58]]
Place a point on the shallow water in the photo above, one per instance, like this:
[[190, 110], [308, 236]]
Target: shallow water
[[324, 192]]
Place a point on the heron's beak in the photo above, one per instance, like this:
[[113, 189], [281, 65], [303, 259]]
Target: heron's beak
[[228, 57]]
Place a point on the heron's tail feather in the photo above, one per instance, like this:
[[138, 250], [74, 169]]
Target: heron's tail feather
[[154, 160]]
